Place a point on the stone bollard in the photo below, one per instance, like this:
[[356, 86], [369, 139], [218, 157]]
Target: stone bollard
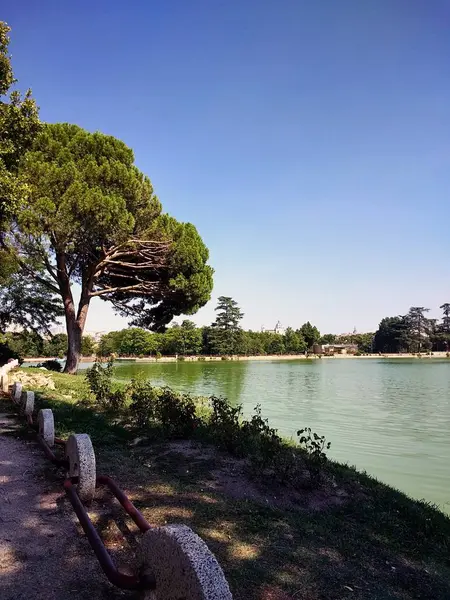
[[17, 392], [27, 403], [5, 380], [81, 457], [183, 565], [47, 425]]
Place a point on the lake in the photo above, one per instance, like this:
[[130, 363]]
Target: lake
[[388, 417]]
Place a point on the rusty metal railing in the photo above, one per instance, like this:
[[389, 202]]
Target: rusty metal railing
[[140, 581]]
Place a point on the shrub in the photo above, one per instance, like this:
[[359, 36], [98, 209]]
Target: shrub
[[158, 355], [314, 445], [143, 402], [51, 365], [261, 441], [176, 413], [224, 424], [99, 378], [181, 358]]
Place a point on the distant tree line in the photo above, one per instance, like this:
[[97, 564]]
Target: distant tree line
[[414, 332], [30, 344]]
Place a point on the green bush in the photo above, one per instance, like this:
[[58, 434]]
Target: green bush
[[314, 445], [261, 441], [99, 378], [51, 365], [176, 413], [224, 425], [143, 402], [181, 358]]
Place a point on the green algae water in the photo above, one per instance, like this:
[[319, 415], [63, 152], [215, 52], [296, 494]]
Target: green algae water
[[388, 417]]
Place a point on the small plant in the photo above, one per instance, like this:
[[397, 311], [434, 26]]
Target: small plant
[[158, 355], [261, 440], [51, 365], [314, 445], [224, 423], [181, 358], [176, 413], [143, 402], [99, 378]]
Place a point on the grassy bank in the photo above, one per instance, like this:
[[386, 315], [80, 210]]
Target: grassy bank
[[352, 538]]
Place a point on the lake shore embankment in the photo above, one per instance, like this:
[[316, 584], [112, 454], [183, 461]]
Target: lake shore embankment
[[266, 357]]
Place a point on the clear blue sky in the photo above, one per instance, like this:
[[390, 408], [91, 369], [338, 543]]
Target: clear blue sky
[[309, 142]]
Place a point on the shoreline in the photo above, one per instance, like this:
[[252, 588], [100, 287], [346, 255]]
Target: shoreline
[[267, 357]]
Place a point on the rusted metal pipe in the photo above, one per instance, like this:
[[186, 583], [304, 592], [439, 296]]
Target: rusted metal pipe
[[59, 462], [126, 503], [144, 581]]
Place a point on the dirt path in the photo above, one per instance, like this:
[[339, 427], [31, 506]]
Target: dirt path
[[43, 553]]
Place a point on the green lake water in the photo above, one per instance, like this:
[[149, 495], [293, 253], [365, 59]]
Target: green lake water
[[388, 417]]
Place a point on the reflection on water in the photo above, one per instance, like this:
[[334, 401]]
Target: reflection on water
[[391, 418]]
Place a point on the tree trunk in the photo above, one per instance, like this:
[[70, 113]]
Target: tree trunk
[[74, 334], [75, 328], [74, 321]]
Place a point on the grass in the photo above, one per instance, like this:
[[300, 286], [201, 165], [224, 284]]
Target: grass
[[377, 544]]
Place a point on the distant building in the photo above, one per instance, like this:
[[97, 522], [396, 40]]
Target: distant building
[[97, 335], [279, 329], [328, 349]]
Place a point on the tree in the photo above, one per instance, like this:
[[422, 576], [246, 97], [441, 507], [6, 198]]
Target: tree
[[226, 331], [310, 334], [92, 218], [110, 343], [136, 342], [392, 335], [277, 345], [19, 124], [294, 342], [56, 345], [328, 338], [446, 323], [27, 303], [24, 343], [87, 345], [419, 326]]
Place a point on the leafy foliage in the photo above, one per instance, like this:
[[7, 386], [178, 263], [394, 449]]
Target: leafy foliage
[[19, 124], [51, 365], [226, 333], [92, 217], [99, 378], [310, 334], [28, 303], [413, 332], [224, 424], [314, 446]]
